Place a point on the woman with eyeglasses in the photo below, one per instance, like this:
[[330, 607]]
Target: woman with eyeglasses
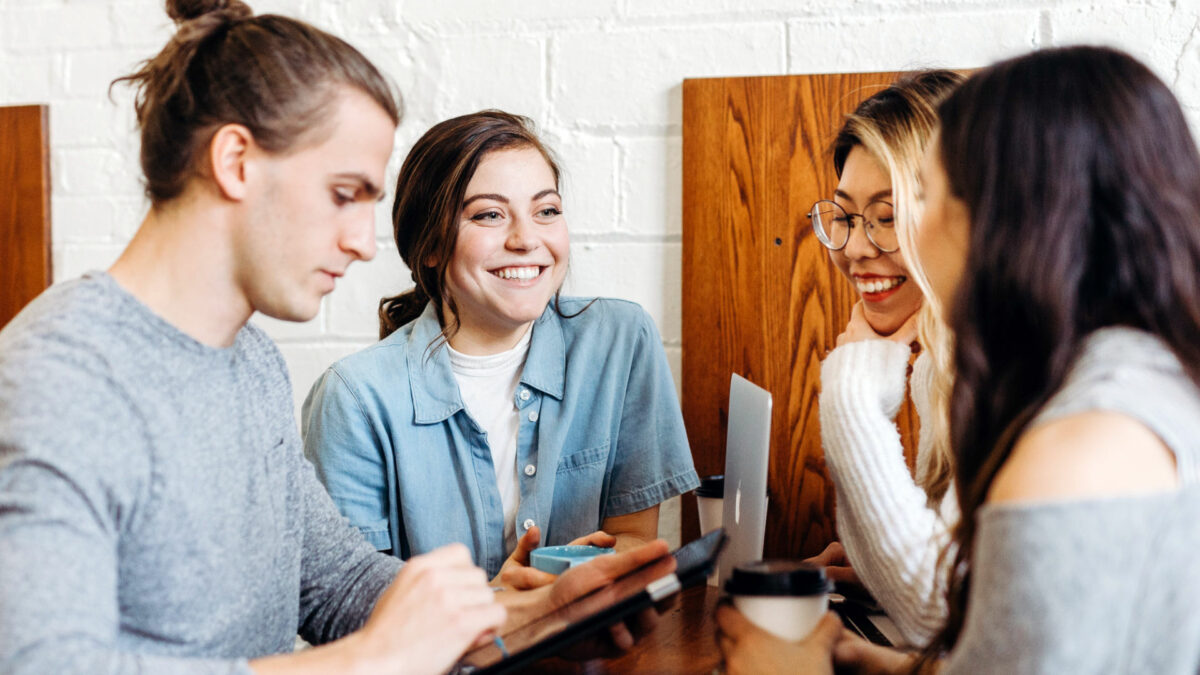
[[891, 528]]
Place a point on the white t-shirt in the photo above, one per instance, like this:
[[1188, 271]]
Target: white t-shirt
[[489, 385]]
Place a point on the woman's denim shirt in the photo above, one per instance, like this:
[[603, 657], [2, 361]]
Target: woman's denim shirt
[[600, 435]]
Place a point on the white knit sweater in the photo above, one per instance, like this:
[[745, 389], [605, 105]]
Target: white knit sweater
[[892, 537]]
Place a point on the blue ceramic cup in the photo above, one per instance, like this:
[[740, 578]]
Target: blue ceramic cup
[[558, 559]]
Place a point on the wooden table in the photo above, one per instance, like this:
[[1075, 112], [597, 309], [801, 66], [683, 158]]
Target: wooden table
[[683, 642]]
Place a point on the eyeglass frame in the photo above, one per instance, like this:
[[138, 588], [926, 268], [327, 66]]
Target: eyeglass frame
[[850, 218]]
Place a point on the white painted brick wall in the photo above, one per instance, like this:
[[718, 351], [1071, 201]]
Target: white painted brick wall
[[589, 180], [538, 12], [40, 26], [651, 188], [486, 71], [906, 41], [602, 79], [631, 76], [27, 76], [1160, 29]]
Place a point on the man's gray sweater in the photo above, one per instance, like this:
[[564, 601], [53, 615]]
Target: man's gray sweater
[[156, 512]]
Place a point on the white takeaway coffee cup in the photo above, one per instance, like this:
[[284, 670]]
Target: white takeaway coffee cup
[[709, 502], [784, 597], [710, 505]]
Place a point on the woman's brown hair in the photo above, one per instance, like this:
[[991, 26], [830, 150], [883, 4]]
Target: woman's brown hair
[[1082, 184], [429, 197], [276, 76]]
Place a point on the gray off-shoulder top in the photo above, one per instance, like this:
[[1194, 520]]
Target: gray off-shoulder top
[[1100, 585]]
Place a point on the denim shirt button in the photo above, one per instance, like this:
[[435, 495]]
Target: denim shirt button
[[530, 469], [528, 523], [525, 394], [533, 416]]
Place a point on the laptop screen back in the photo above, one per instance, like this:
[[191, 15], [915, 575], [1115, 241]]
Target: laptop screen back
[[747, 451]]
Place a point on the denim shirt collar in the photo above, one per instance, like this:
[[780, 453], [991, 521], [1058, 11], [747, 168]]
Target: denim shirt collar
[[435, 392]]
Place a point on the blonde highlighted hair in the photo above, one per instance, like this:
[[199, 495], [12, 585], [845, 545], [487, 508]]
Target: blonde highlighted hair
[[895, 125]]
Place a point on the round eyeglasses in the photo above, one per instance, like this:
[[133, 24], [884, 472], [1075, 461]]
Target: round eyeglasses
[[832, 224]]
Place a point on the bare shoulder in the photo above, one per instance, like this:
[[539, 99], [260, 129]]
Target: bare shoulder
[[1088, 455]]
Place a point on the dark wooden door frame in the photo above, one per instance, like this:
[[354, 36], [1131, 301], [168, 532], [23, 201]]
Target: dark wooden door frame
[[25, 247]]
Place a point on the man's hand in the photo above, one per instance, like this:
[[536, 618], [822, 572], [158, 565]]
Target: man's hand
[[601, 572], [518, 575], [436, 607], [750, 649], [596, 575]]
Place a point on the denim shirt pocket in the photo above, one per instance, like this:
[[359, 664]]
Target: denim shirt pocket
[[578, 493], [584, 459]]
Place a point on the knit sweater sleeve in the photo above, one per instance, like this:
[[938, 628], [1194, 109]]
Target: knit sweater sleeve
[[892, 537]]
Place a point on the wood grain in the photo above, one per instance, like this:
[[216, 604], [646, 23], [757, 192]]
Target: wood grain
[[760, 295], [24, 207]]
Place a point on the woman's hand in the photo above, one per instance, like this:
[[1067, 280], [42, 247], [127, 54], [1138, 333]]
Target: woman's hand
[[750, 649], [836, 564], [518, 575], [858, 329], [856, 656]]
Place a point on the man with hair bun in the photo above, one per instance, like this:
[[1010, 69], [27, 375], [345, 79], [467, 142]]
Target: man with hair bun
[[156, 512]]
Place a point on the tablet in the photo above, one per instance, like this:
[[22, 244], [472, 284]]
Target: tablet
[[597, 610]]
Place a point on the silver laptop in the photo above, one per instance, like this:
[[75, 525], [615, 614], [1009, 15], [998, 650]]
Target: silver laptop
[[747, 452]]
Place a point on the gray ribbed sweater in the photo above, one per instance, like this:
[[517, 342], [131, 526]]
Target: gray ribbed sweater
[[156, 512]]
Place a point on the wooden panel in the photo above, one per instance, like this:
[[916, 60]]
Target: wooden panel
[[760, 296], [24, 207]]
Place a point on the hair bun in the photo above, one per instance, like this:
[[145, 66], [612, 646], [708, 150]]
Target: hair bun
[[186, 10]]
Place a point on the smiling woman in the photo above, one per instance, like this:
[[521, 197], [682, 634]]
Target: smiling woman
[[511, 255], [891, 526], [494, 412]]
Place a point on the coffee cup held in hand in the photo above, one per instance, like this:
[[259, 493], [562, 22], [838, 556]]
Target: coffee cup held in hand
[[783, 597]]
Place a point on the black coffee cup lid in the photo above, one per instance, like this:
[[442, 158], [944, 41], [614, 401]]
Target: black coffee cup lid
[[711, 486], [778, 578]]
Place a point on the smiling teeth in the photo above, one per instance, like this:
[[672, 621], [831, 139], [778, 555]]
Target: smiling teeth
[[522, 273], [878, 285]]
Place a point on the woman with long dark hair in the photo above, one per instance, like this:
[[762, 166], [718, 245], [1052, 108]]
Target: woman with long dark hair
[[1062, 229], [495, 412]]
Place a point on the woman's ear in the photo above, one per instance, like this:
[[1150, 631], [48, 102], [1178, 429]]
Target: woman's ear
[[227, 154], [431, 261]]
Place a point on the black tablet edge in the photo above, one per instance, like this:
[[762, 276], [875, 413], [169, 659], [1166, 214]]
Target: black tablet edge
[[857, 619], [570, 635]]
